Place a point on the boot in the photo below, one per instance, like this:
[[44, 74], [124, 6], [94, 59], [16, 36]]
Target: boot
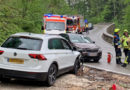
[[120, 61], [117, 61], [124, 65]]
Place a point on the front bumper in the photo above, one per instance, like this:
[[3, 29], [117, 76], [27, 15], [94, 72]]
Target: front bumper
[[4, 73], [92, 55]]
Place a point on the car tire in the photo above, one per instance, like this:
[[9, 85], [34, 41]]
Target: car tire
[[96, 59], [52, 73], [1, 78], [77, 65], [5, 79]]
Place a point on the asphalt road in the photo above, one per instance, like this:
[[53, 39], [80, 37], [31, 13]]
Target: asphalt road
[[96, 35]]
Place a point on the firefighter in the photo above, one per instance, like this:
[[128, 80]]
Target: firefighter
[[127, 61], [124, 42], [117, 46], [42, 28], [86, 27]]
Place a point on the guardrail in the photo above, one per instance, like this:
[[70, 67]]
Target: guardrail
[[107, 35]]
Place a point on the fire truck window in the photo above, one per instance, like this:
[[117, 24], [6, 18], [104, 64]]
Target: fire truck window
[[75, 22], [69, 22]]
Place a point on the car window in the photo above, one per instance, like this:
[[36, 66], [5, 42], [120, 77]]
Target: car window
[[90, 24], [87, 39], [55, 26], [55, 44], [65, 36], [76, 38], [66, 45], [23, 43]]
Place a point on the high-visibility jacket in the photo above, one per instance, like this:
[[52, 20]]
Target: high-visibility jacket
[[86, 25], [44, 31], [124, 41]]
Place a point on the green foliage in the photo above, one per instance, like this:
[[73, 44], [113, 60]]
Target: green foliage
[[117, 11], [26, 15], [126, 21]]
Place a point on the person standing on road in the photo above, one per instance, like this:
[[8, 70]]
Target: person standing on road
[[86, 28], [128, 56], [117, 46], [124, 42]]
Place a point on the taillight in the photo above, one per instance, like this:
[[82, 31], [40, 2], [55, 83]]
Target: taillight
[[1, 52], [37, 56]]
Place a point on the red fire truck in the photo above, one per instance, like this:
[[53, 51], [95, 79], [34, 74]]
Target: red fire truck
[[54, 24], [74, 24]]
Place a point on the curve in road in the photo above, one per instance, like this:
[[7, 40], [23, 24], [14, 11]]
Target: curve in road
[[96, 35]]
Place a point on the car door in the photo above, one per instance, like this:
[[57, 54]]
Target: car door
[[58, 52], [70, 56]]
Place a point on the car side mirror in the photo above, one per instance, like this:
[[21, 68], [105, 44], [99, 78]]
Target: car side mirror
[[74, 48]]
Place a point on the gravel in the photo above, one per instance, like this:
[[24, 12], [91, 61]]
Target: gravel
[[90, 79]]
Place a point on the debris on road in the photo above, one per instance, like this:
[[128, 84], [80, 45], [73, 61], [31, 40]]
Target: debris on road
[[91, 79], [94, 79]]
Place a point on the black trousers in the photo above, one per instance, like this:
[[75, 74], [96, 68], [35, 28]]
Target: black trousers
[[118, 51], [118, 54], [128, 54], [126, 51]]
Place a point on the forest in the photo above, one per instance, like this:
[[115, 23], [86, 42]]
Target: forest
[[96, 11], [26, 15]]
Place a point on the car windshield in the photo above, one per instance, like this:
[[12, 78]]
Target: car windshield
[[76, 38], [23, 43], [87, 39], [55, 26]]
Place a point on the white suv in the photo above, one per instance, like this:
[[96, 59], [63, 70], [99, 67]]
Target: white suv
[[36, 56]]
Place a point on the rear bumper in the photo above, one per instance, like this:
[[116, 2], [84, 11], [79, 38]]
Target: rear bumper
[[4, 73]]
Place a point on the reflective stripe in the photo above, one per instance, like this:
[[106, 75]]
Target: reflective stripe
[[118, 57], [126, 60]]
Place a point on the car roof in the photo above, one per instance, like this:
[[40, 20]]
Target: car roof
[[70, 33], [33, 35], [74, 34]]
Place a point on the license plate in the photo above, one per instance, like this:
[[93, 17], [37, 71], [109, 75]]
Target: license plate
[[92, 54], [16, 61]]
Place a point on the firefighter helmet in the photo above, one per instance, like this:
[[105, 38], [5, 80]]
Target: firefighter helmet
[[116, 30], [125, 30]]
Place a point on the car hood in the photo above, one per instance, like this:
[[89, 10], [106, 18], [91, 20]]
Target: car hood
[[86, 45]]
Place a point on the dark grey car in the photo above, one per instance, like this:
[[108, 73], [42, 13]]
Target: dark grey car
[[89, 50]]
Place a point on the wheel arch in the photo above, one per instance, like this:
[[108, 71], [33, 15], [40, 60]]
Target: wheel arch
[[55, 63], [78, 57]]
